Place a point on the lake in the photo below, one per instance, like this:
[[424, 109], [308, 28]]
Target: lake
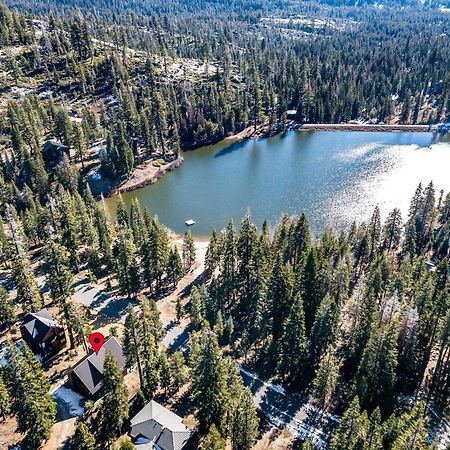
[[334, 176]]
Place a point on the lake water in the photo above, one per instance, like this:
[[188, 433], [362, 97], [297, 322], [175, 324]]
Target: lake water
[[335, 177]]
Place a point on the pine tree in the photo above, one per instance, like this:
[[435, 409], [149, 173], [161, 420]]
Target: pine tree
[[164, 370], [197, 306], [348, 433], [79, 143], [188, 251], [174, 267], [69, 225], [5, 407], [7, 311], [293, 342], [31, 400], [377, 370], [115, 399], [212, 258], [325, 329], [413, 430], [279, 297], [132, 344], [213, 440], [375, 232], [301, 243], [244, 422], [208, 389], [178, 370], [151, 369], [60, 280], [126, 267], [392, 230], [179, 309], [311, 288], [63, 126], [28, 292], [228, 273], [83, 439], [326, 378]]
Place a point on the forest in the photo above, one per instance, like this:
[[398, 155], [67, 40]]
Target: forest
[[355, 324]]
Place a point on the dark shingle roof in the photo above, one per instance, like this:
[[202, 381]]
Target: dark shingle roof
[[161, 426], [89, 370], [37, 324]]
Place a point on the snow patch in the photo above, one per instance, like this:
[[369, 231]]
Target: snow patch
[[72, 399], [274, 387]]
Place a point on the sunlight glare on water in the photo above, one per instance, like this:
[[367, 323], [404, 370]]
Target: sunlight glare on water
[[398, 170], [335, 177]]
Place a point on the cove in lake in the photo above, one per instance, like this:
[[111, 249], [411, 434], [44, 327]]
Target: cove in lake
[[334, 177]]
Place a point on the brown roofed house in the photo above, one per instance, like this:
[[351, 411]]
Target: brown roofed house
[[86, 375], [53, 153], [43, 334], [157, 428]]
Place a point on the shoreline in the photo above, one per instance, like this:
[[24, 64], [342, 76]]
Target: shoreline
[[362, 127], [144, 176]]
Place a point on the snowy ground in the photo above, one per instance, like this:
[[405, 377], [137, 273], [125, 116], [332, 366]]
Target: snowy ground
[[69, 403], [287, 411]]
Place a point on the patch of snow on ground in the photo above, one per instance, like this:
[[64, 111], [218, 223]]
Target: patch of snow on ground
[[273, 387], [95, 175], [71, 398]]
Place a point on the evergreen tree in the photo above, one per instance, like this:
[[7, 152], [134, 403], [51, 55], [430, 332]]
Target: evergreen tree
[[197, 306], [5, 407], [413, 431], [325, 329], [244, 422], [279, 297], [326, 378], [348, 434], [83, 439], [7, 311], [31, 400], [209, 383], [28, 292], [293, 342], [392, 230], [311, 288], [179, 309], [377, 371], [178, 370], [132, 344], [188, 251], [213, 440], [174, 267], [126, 267], [165, 373], [212, 258], [114, 408]]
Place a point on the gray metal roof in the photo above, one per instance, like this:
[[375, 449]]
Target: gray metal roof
[[89, 370], [161, 426]]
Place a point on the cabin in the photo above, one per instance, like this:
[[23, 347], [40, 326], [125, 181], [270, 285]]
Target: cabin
[[43, 334], [291, 114], [53, 153], [86, 376], [157, 428]]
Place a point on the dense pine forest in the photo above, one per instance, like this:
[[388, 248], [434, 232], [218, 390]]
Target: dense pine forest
[[354, 327]]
